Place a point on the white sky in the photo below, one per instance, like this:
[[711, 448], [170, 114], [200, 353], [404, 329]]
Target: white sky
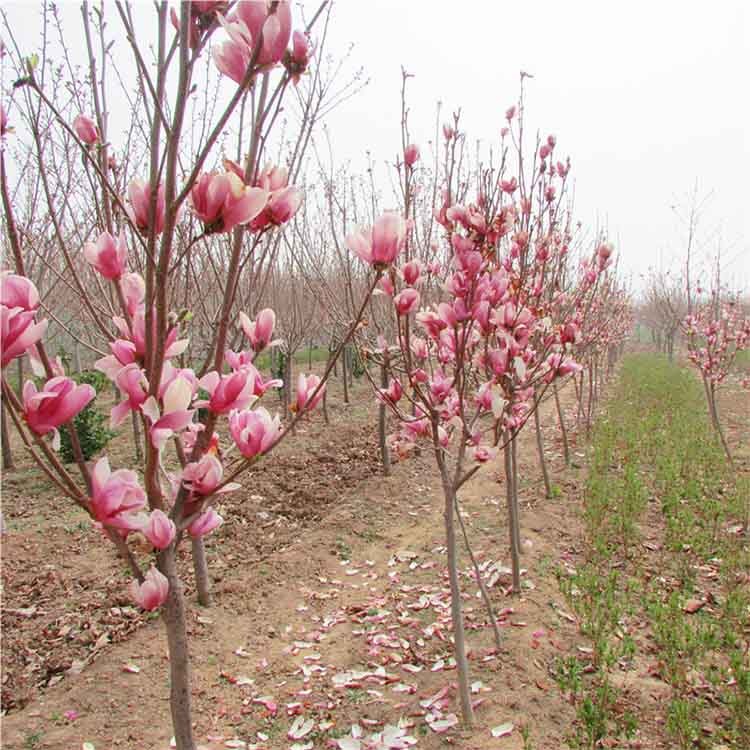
[[645, 97]]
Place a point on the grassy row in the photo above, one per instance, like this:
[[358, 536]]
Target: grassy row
[[660, 503]]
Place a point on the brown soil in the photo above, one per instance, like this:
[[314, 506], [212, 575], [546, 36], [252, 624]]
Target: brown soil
[[328, 578]]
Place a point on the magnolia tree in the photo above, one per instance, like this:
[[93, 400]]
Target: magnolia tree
[[142, 248], [468, 369], [717, 332]]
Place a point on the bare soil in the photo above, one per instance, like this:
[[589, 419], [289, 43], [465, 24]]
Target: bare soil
[[331, 602]]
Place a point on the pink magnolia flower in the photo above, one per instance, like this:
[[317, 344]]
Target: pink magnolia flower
[[174, 415], [204, 476], [411, 272], [139, 194], [380, 245], [18, 291], [123, 354], [115, 496], [282, 205], [392, 394], [273, 178], [159, 529], [136, 333], [306, 385], [233, 56], [406, 301], [222, 201], [134, 290], [276, 27], [300, 57], [411, 154], [57, 403], [86, 130], [18, 332], [153, 592], [205, 523], [109, 256], [132, 383], [254, 431], [260, 330], [228, 392], [448, 132]]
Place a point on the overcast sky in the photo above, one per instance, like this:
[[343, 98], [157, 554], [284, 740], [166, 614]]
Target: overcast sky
[[645, 97]]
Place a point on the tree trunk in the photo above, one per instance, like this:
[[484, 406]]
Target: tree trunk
[[459, 638], [385, 455], [345, 376], [179, 658], [540, 449], [717, 423], [8, 464], [563, 430], [512, 514], [202, 578], [137, 438]]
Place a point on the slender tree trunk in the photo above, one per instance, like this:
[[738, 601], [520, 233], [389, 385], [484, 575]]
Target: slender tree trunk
[[385, 455], [579, 397], [8, 464], [202, 578], [512, 515], [345, 377], [717, 424], [137, 438], [540, 449], [179, 658], [459, 638], [561, 419], [480, 580], [77, 356], [590, 405], [309, 355], [19, 366]]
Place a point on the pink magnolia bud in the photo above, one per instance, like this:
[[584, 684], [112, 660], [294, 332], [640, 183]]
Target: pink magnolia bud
[[86, 130], [159, 529], [283, 204], [134, 291], [254, 431], [115, 496], [448, 132], [58, 402], [206, 522], [259, 331], [276, 27], [381, 245], [551, 142], [153, 592], [411, 272], [411, 155], [299, 59], [222, 201], [544, 151], [509, 186], [510, 113], [306, 385], [233, 391], [18, 291], [406, 301], [108, 255], [204, 476], [504, 132], [139, 194], [273, 178]]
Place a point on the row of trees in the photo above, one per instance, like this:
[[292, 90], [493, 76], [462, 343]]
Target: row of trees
[[178, 257]]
